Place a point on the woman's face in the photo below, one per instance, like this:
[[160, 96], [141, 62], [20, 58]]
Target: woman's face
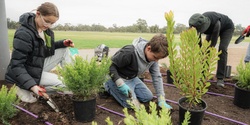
[[45, 22], [153, 56]]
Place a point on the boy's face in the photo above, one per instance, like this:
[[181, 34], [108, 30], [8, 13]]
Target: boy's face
[[153, 56]]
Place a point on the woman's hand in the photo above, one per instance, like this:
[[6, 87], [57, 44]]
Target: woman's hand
[[68, 43]]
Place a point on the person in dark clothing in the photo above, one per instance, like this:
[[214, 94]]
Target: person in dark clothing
[[215, 25], [133, 60], [35, 53]]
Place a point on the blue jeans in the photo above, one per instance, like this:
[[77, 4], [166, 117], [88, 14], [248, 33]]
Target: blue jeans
[[138, 90], [247, 57]]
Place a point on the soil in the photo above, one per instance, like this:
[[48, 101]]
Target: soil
[[219, 105], [220, 110]]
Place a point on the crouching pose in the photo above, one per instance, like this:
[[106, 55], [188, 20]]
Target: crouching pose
[[133, 60]]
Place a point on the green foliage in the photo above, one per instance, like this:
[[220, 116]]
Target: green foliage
[[85, 78], [151, 117], [243, 75], [145, 118], [192, 65], [7, 98]]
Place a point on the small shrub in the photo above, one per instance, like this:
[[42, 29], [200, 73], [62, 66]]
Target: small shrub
[[243, 75], [142, 117], [85, 78], [7, 98]]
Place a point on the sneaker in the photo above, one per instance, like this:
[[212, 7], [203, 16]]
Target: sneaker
[[220, 83], [25, 95]]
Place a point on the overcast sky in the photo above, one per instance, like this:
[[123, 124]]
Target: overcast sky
[[127, 12]]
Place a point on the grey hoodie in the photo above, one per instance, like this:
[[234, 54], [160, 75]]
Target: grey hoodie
[[130, 61]]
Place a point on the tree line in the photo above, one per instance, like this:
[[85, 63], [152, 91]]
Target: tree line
[[140, 26]]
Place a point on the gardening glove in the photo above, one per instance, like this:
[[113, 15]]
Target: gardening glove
[[68, 43], [162, 102], [124, 88], [38, 90]]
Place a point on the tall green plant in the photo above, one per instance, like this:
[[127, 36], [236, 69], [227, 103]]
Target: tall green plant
[[243, 75], [192, 65], [85, 78], [7, 98]]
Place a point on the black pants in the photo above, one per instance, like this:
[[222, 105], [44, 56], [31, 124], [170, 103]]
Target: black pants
[[225, 38]]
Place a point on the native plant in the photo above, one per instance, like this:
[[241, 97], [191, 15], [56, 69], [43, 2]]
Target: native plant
[[85, 78], [151, 117], [243, 75], [7, 98], [192, 65]]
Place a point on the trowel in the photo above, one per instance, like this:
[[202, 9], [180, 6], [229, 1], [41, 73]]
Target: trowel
[[51, 103], [134, 100]]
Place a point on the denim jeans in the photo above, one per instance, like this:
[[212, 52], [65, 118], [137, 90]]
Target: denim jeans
[[138, 90], [247, 57]]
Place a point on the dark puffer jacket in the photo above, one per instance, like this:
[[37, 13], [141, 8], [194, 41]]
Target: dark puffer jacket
[[29, 52]]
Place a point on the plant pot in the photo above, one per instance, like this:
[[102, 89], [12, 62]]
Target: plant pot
[[241, 97], [84, 110], [169, 79], [196, 115], [228, 71]]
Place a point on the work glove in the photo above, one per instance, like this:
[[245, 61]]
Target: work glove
[[38, 90], [68, 43], [124, 88], [162, 102]]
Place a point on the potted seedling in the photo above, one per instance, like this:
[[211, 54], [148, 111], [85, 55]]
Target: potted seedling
[[191, 67], [84, 79], [7, 98], [242, 87]]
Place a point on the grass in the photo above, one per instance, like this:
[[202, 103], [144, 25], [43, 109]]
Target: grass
[[89, 40]]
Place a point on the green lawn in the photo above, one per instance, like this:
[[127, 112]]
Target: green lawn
[[85, 40]]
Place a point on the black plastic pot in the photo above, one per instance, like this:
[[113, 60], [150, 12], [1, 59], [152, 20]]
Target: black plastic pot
[[169, 79], [84, 110], [228, 71], [196, 115], [241, 97]]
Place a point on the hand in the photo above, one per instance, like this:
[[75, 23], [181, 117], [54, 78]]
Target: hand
[[38, 90], [68, 42], [124, 88], [163, 103], [246, 30]]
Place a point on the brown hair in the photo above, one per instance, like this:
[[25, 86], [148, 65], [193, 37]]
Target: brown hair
[[48, 9], [159, 44]]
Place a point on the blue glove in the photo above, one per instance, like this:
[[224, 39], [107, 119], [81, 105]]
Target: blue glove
[[163, 103], [124, 89]]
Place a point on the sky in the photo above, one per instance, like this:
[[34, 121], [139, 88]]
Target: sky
[[127, 12]]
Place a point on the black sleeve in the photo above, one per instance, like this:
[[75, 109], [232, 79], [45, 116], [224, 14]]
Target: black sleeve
[[120, 60]]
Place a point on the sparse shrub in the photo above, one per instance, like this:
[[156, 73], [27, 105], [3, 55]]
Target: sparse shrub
[[7, 98]]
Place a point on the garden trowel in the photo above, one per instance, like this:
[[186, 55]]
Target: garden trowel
[[134, 100], [51, 103]]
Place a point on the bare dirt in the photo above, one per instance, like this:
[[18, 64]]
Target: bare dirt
[[220, 110]]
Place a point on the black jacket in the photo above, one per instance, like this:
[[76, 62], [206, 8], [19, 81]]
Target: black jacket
[[29, 52], [219, 24]]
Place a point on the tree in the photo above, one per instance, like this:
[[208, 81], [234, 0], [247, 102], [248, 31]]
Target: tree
[[154, 29], [142, 25], [179, 28]]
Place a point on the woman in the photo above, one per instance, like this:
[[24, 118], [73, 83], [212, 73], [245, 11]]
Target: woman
[[35, 53]]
